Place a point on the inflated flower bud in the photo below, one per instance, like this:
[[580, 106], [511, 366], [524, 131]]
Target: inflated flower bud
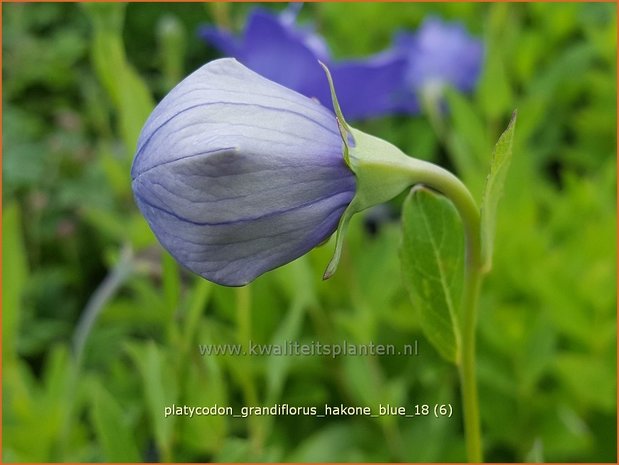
[[237, 175]]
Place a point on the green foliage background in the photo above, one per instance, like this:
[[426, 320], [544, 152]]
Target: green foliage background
[[78, 82]]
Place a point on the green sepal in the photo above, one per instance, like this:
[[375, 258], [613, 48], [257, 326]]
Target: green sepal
[[342, 125], [339, 239], [381, 170], [347, 138]]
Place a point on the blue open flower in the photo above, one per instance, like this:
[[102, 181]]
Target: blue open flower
[[279, 49], [389, 82], [237, 175], [438, 54]]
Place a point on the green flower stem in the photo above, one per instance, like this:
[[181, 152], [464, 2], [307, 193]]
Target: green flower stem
[[100, 298], [248, 386], [450, 186], [466, 366]]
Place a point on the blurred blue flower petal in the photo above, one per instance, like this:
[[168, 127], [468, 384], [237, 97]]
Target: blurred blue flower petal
[[281, 50], [277, 50], [237, 175], [372, 87], [441, 53], [223, 40]]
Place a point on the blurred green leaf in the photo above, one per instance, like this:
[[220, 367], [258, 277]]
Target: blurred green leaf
[[32, 59], [415, 434], [111, 427], [501, 159], [565, 433], [171, 284], [592, 381], [542, 97], [199, 298], [278, 367], [288, 293], [172, 43], [54, 405], [467, 140], [205, 386], [140, 233], [494, 90], [13, 282], [105, 221], [235, 450], [116, 170], [494, 93], [160, 387], [331, 443], [23, 161], [432, 255], [130, 95]]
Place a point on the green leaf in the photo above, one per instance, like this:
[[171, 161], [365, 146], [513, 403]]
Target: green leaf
[[333, 443], [199, 299], [432, 255], [38, 411], [205, 386], [12, 282], [172, 41], [105, 222], [111, 427], [295, 283], [467, 140], [130, 95], [171, 284], [495, 92], [501, 159], [278, 367], [590, 380], [115, 169], [160, 390]]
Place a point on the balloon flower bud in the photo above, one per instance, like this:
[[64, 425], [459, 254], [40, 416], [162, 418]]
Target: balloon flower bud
[[237, 175]]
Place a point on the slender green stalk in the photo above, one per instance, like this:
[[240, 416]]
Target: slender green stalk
[[466, 367], [102, 295], [250, 393], [449, 185], [106, 291], [243, 313]]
